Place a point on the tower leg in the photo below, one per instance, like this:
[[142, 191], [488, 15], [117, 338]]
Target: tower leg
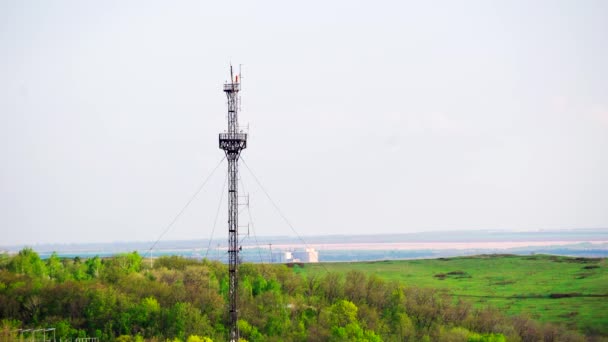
[[233, 247]]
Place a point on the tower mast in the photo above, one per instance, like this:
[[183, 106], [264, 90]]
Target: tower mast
[[233, 141]]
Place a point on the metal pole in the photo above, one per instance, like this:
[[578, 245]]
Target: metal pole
[[271, 258]]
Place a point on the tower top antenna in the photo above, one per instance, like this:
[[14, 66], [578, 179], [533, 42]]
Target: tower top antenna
[[233, 86]]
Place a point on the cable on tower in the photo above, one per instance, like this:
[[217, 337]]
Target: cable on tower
[[255, 238], [276, 207], [217, 214], [200, 188]]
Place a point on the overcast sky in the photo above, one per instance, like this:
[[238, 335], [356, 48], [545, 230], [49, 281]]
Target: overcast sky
[[364, 116]]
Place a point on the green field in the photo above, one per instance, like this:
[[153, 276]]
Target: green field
[[570, 291]]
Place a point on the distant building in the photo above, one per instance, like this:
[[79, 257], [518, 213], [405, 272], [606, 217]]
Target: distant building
[[306, 255], [282, 257]]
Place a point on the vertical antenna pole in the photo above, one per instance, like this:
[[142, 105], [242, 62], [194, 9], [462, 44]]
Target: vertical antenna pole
[[233, 142], [271, 258]]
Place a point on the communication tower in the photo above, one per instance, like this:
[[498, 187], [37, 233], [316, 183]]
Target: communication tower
[[233, 141]]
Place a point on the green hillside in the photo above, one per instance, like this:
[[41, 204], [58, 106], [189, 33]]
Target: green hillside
[[572, 291]]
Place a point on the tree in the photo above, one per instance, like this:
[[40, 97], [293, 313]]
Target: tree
[[196, 338], [146, 317], [486, 338], [76, 269], [8, 330], [344, 326], [28, 262], [455, 334], [32, 305], [376, 292], [55, 268], [404, 328], [343, 312], [94, 266], [121, 265], [4, 260], [332, 286], [129, 262], [68, 299], [105, 307], [248, 331], [424, 306], [183, 320], [62, 329], [354, 286]]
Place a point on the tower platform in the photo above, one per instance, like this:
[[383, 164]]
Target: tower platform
[[233, 142], [230, 87]]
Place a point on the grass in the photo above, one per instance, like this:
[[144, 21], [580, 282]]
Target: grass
[[569, 291]]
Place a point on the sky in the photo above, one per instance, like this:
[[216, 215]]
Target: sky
[[364, 117]]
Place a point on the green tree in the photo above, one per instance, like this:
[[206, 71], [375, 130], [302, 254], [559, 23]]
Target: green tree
[[94, 266], [455, 334], [145, 317], [105, 310], [248, 331], [342, 313], [341, 317], [424, 306], [354, 286], [4, 260], [196, 338], [332, 286], [67, 300], [121, 265], [76, 269], [486, 338], [182, 320], [28, 262], [55, 268], [131, 262], [8, 330], [404, 328]]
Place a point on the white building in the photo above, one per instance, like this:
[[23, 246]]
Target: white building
[[282, 257], [305, 255]]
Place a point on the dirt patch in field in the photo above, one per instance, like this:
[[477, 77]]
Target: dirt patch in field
[[452, 275], [590, 267], [569, 314], [565, 295], [504, 282]]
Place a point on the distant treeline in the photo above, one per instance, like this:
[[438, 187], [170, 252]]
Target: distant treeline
[[124, 299]]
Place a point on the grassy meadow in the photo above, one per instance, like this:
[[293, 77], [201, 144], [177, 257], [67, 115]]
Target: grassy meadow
[[570, 291]]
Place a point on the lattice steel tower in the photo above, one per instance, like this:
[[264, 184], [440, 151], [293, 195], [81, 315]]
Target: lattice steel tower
[[233, 141]]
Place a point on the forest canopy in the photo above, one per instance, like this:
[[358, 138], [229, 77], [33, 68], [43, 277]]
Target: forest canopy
[[177, 299]]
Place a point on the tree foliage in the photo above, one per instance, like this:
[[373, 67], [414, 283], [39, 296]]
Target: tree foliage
[[117, 299]]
